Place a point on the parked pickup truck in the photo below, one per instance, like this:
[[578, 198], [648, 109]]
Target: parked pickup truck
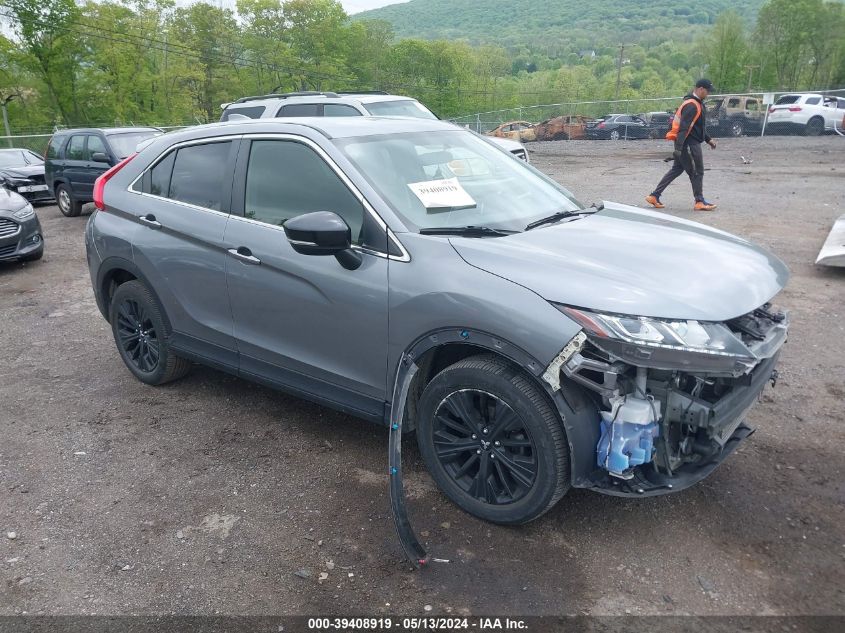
[[734, 116]]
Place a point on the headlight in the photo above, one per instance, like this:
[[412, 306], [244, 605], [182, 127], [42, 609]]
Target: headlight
[[665, 343], [25, 213]]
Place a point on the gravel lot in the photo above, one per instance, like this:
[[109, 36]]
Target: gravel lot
[[210, 494]]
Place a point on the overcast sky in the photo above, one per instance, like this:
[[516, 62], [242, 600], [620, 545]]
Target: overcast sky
[[354, 6]]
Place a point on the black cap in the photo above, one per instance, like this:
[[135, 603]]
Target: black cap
[[704, 83]]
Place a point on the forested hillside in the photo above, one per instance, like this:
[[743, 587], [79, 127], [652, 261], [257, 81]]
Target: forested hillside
[[69, 62], [557, 25]]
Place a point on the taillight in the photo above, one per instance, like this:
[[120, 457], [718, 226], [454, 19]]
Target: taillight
[[601, 124], [100, 183], [795, 109], [772, 109]]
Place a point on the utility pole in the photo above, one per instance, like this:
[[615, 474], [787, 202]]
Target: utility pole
[[750, 68], [619, 70], [3, 104]]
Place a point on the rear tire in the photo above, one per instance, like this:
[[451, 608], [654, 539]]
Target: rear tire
[[68, 205], [737, 128], [140, 332], [814, 127], [614, 135], [492, 441]]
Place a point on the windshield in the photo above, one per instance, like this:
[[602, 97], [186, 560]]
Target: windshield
[[404, 107], [19, 158], [124, 144], [453, 178]]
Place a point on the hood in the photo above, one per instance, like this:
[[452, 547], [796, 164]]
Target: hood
[[631, 261], [24, 171], [11, 201]]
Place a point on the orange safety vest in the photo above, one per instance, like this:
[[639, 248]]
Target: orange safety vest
[[672, 134]]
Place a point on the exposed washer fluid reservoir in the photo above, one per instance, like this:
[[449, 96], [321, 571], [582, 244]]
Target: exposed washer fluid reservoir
[[627, 437]]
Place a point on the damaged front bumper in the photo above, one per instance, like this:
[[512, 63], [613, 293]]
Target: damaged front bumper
[[722, 422], [663, 428]]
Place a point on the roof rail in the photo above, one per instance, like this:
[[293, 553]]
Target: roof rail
[[365, 92], [285, 95]]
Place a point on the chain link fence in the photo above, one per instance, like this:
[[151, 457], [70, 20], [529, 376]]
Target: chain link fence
[[738, 115], [36, 139]]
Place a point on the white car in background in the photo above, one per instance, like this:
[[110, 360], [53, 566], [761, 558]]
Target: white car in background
[[334, 104], [810, 114]]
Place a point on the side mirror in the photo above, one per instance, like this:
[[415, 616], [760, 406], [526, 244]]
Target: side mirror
[[100, 157], [323, 233]]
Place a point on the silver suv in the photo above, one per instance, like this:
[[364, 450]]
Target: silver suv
[[535, 344], [311, 104]]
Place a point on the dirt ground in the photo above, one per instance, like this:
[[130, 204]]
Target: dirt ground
[[210, 494]]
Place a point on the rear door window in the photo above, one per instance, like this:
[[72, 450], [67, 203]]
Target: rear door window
[[199, 175], [339, 109], [299, 109], [76, 148]]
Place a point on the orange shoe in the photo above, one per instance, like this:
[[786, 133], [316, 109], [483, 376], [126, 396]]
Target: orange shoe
[[654, 201], [703, 205]]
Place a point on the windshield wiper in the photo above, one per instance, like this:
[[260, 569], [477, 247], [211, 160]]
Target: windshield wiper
[[560, 215], [466, 231]]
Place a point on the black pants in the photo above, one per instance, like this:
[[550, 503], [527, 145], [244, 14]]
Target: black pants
[[692, 162]]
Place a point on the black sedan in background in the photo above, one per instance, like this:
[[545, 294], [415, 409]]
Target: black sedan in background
[[22, 171], [20, 231], [618, 126]]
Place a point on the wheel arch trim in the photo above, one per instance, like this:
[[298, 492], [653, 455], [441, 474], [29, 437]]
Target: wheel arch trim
[[581, 429], [105, 272]]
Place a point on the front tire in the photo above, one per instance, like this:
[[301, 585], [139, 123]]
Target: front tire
[[492, 441], [68, 205], [140, 333], [614, 135]]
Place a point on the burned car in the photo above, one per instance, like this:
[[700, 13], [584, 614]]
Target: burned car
[[407, 272], [562, 128]]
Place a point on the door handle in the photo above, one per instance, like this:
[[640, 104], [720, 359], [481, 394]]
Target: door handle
[[150, 221], [245, 255]]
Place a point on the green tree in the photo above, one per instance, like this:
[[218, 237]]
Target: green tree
[[726, 53], [49, 48]]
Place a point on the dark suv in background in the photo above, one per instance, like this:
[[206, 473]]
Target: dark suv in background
[[75, 158]]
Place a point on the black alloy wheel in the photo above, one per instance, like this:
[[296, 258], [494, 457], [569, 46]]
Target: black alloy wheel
[[137, 335], [484, 446], [141, 335], [492, 440]]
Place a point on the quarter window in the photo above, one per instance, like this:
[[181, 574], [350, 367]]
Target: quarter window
[[253, 112], [53, 147], [160, 175], [199, 173], [76, 148], [285, 179]]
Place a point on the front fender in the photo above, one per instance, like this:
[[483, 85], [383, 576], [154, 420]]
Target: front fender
[[577, 412]]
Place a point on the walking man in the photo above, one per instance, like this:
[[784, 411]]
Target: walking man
[[688, 133]]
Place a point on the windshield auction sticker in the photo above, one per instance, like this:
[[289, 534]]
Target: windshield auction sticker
[[442, 194]]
